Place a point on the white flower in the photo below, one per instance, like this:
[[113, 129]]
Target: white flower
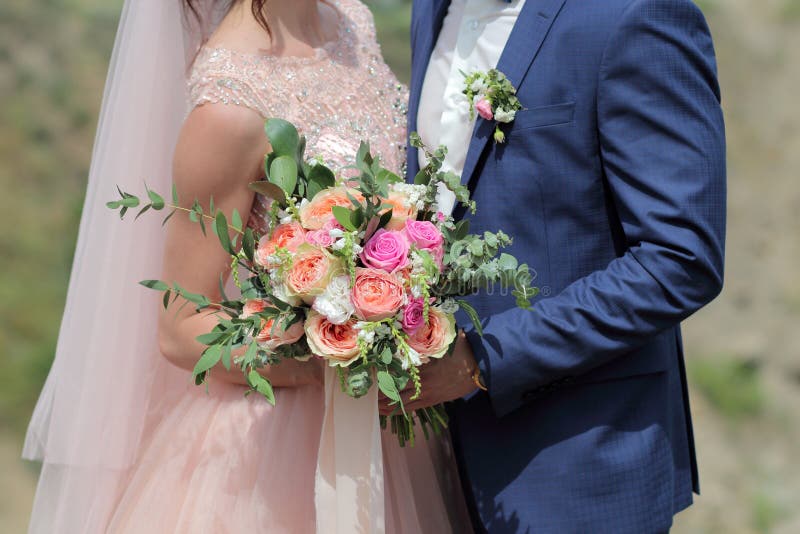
[[478, 86], [334, 303], [367, 336], [281, 292], [339, 244], [501, 115], [335, 233], [357, 249], [449, 306]]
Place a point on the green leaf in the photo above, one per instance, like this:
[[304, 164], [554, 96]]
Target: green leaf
[[236, 220], [221, 226], [422, 178], [462, 229], [209, 338], [209, 359], [250, 353], [114, 204], [167, 294], [168, 217], [319, 177], [386, 356], [473, 315], [507, 262], [248, 244], [129, 201], [269, 190], [141, 211], [387, 386], [226, 354], [283, 173], [156, 200], [476, 248], [158, 285], [174, 194], [385, 218], [283, 137], [342, 215], [262, 385]]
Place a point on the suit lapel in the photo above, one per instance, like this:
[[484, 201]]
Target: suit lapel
[[521, 49], [426, 25]]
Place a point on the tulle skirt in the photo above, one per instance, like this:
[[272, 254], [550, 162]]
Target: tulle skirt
[[219, 462]]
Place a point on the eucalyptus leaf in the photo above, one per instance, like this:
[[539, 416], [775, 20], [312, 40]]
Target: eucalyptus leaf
[[283, 173], [269, 190], [158, 285], [156, 200], [283, 137]]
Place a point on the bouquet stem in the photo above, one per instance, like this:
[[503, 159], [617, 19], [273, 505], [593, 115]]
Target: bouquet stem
[[403, 425]]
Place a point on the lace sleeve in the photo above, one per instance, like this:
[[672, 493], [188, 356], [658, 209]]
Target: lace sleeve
[[216, 78]]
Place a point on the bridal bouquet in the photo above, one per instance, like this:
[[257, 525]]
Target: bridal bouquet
[[361, 270]]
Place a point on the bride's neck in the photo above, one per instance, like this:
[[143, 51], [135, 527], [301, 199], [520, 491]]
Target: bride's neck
[[294, 25]]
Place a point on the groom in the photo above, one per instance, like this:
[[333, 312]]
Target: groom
[[612, 184]]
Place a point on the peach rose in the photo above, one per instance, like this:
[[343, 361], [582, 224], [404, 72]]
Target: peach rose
[[337, 343], [312, 268], [271, 336], [432, 340], [289, 236], [401, 212], [377, 294], [317, 212]]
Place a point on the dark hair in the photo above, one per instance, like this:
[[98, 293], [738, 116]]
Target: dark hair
[[257, 9]]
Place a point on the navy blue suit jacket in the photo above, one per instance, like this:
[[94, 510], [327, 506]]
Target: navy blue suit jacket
[[612, 184]]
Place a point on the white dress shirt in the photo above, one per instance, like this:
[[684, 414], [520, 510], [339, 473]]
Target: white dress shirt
[[473, 36]]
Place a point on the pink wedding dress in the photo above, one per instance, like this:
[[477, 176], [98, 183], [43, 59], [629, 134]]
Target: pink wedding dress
[[218, 462]]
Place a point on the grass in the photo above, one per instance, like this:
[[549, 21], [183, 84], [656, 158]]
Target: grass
[[766, 513], [730, 384]]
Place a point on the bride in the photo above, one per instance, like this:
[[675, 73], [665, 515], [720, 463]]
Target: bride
[[127, 443]]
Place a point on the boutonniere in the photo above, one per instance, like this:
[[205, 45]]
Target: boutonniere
[[493, 97]]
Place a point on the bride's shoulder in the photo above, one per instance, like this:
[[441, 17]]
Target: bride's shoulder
[[223, 75]]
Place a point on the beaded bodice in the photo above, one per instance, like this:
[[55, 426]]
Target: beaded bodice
[[343, 94]]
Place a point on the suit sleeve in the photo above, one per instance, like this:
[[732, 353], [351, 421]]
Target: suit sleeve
[[662, 145]]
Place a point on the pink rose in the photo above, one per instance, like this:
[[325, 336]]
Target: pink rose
[[484, 108], [337, 343], [426, 236], [322, 237], [440, 216], [387, 250], [433, 340], [376, 294], [288, 236], [413, 316]]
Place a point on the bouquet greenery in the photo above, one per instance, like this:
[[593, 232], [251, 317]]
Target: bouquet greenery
[[362, 270]]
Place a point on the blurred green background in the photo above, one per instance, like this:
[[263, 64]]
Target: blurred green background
[[743, 350]]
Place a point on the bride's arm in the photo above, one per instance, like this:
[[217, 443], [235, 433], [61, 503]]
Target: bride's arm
[[220, 150]]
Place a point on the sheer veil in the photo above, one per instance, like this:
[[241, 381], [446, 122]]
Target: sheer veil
[[108, 380]]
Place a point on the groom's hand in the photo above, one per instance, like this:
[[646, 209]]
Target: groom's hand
[[443, 380]]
